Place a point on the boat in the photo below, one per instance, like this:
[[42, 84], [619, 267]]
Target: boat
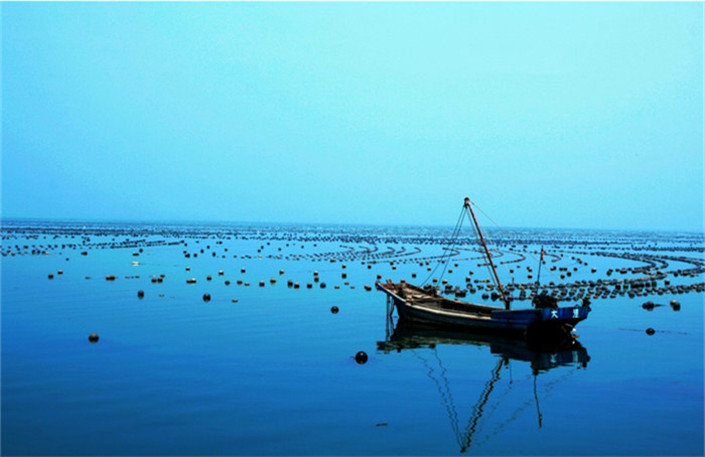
[[426, 305]]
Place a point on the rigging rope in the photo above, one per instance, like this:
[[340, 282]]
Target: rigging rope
[[509, 235], [448, 250]]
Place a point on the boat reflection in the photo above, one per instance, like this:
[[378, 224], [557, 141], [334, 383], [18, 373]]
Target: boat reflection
[[541, 355]]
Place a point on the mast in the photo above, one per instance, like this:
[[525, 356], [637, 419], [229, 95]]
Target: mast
[[477, 410], [468, 206]]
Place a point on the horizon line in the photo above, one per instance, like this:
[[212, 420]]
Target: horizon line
[[700, 231]]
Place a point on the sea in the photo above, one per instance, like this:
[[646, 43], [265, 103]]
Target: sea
[[271, 339]]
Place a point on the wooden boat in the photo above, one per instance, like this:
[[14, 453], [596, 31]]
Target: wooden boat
[[427, 306]]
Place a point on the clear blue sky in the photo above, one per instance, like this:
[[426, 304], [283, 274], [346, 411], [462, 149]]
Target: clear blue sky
[[586, 115]]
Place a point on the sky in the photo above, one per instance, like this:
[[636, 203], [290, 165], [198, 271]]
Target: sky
[[556, 115]]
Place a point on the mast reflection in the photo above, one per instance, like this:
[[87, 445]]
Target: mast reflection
[[542, 355]]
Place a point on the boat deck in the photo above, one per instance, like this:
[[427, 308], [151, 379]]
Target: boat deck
[[415, 296]]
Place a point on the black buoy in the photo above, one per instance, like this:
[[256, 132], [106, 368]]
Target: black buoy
[[650, 331], [206, 297], [93, 337], [334, 310], [140, 293], [361, 357]]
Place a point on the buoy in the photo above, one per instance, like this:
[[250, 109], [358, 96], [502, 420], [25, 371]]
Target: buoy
[[206, 297], [334, 310], [361, 357], [650, 331], [140, 293], [93, 337]]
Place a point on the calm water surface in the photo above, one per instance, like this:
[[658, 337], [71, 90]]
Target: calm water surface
[[275, 374]]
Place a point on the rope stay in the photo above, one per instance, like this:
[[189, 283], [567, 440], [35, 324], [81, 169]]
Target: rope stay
[[509, 235], [467, 211], [447, 250]]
